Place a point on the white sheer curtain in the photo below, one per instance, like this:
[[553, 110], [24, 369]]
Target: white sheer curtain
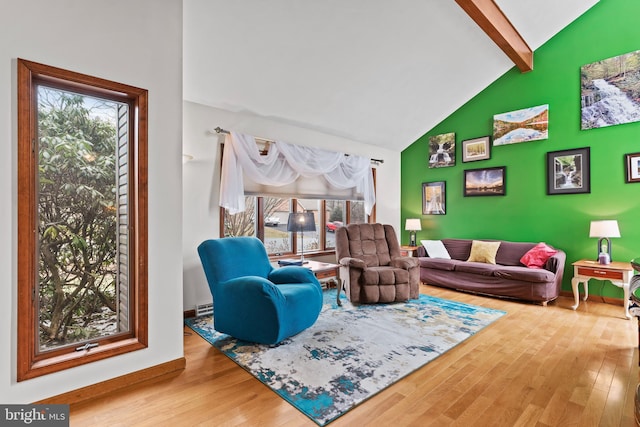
[[284, 164]]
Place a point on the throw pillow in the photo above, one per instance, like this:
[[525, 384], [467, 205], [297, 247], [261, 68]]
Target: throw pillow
[[435, 249], [484, 251], [538, 255]]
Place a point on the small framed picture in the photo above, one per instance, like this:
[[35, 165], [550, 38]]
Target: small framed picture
[[442, 150], [476, 149], [434, 196], [633, 167], [485, 182], [569, 171]]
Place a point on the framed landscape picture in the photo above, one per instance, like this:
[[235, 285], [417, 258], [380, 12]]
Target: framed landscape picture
[[528, 124], [476, 149], [442, 150], [434, 196], [568, 171], [485, 182], [633, 167], [609, 91]]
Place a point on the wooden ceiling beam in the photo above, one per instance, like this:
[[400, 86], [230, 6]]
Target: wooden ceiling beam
[[498, 27]]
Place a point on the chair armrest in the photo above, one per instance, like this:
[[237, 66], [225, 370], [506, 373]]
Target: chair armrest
[[353, 262], [240, 290], [244, 284], [293, 274], [405, 262]]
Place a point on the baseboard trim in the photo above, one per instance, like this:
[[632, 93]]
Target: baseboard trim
[[596, 298], [96, 390]]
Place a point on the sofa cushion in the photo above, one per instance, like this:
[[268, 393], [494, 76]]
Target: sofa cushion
[[511, 252], [483, 252], [435, 249], [482, 268], [439, 263], [458, 248], [537, 256], [523, 274]]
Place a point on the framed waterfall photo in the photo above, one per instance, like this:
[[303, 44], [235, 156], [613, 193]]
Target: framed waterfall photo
[[568, 171], [609, 92], [442, 150]]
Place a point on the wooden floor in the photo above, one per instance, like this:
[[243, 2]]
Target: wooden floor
[[536, 366]]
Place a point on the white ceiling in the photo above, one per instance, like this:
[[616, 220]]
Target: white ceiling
[[377, 72]]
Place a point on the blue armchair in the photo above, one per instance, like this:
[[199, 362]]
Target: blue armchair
[[252, 300]]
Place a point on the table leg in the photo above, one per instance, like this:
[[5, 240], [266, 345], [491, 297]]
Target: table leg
[[585, 285], [625, 289], [340, 286], [576, 292]]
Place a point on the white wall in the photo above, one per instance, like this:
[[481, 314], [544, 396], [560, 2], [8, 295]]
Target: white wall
[[201, 179], [133, 42]]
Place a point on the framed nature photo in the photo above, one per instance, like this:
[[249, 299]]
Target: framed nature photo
[[476, 149], [568, 171], [608, 91], [633, 167], [442, 150], [528, 124], [434, 198], [485, 182]]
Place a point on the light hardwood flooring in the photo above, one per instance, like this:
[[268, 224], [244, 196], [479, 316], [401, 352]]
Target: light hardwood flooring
[[536, 366]]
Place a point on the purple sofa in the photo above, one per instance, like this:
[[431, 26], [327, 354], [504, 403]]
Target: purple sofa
[[507, 278]]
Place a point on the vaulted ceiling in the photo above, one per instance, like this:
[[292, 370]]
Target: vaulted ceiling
[[377, 72]]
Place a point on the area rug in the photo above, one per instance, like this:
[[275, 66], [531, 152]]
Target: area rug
[[352, 352]]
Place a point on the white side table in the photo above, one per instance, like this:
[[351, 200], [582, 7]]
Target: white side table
[[618, 273]]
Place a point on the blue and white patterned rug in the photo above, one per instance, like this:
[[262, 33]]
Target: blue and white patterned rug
[[352, 352]]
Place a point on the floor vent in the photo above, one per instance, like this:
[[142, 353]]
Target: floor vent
[[204, 309]]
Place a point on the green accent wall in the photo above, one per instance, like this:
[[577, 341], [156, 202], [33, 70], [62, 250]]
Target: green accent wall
[[526, 212]]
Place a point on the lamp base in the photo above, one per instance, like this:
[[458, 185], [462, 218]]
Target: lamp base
[[604, 250], [412, 238]]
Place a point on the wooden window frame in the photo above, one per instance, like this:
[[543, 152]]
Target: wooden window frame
[[294, 205], [30, 362]]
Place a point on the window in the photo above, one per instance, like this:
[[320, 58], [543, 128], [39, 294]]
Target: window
[[274, 212], [82, 215]]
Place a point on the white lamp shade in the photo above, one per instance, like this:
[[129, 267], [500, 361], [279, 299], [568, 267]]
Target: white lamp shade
[[604, 228], [412, 224]]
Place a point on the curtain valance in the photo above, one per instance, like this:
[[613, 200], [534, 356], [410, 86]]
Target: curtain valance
[[284, 164]]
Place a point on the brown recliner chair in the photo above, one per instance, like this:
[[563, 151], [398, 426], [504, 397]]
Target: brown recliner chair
[[371, 267]]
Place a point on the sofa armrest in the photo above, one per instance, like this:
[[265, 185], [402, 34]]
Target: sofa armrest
[[404, 262], [421, 252], [556, 263], [353, 263]]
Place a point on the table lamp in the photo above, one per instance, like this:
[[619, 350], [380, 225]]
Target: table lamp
[[412, 225], [604, 230], [301, 222]]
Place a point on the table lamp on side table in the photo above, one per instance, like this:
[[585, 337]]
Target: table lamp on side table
[[604, 230], [301, 222], [412, 225]]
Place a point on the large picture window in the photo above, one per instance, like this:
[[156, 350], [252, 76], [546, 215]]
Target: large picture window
[[266, 219], [82, 209]]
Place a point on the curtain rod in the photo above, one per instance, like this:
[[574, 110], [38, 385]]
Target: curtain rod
[[220, 130]]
